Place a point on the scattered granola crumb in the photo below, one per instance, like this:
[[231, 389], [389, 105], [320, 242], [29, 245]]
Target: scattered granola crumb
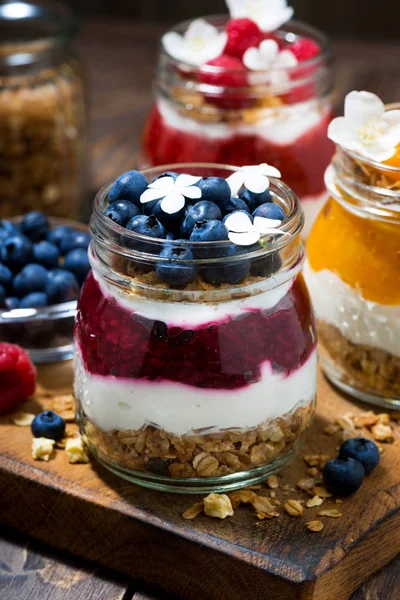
[[382, 433], [42, 448], [255, 488], [315, 501], [313, 472], [315, 526], [330, 512], [312, 460], [331, 429], [194, 511], [272, 494], [294, 508], [22, 419], [76, 451], [218, 506], [321, 491], [306, 485], [273, 482], [263, 505], [338, 501], [241, 497]]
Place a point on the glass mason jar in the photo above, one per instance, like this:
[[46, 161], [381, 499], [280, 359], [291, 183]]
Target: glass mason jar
[[198, 115], [42, 112], [353, 274], [206, 388]]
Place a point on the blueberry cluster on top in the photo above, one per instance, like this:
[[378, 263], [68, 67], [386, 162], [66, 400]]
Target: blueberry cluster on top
[[40, 266], [181, 208]]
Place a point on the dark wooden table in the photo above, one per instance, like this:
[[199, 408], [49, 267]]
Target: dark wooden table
[[120, 58]]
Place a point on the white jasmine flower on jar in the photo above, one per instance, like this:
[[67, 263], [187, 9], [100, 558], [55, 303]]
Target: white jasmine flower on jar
[[267, 57], [172, 192], [366, 127], [201, 43], [255, 178], [242, 231], [268, 14]]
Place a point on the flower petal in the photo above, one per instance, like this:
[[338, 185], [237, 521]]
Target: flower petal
[[236, 8], [263, 225], [256, 183], [269, 50], [173, 203], [286, 60], [239, 222], [340, 132], [149, 195], [254, 61], [362, 107], [269, 171], [272, 21], [244, 239], [164, 183], [191, 192], [173, 44], [236, 181], [379, 151], [185, 180]]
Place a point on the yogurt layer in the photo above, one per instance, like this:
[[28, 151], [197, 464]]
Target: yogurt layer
[[360, 321], [281, 127], [128, 404]]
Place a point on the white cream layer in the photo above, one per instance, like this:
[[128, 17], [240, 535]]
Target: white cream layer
[[113, 403], [281, 126], [360, 321]]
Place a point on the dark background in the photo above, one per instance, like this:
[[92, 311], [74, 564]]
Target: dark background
[[358, 18]]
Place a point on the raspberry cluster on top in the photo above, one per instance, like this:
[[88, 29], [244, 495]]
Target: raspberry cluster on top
[[189, 215]]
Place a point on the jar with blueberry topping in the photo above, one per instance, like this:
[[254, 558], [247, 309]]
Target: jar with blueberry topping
[[244, 90], [195, 364]]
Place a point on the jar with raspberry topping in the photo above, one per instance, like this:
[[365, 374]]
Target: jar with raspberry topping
[[229, 91], [353, 254], [196, 360]]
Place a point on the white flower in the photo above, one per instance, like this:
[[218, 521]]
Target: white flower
[[254, 178], [173, 192], [268, 14], [366, 127], [243, 232], [201, 43], [267, 57]]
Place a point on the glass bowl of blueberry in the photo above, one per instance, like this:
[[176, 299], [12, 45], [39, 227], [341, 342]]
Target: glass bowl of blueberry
[[43, 263]]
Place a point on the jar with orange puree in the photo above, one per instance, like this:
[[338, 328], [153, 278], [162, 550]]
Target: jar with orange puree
[[353, 263]]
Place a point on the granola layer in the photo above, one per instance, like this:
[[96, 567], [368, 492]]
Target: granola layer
[[371, 370], [213, 455]]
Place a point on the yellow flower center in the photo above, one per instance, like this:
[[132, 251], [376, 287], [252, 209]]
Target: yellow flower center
[[370, 132]]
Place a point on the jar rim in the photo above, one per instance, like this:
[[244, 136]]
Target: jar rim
[[291, 227]]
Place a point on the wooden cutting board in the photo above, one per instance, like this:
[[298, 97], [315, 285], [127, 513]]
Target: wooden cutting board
[[93, 514]]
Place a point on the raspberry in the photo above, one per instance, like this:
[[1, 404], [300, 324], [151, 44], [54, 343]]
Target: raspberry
[[242, 34], [305, 49], [232, 72], [17, 376]]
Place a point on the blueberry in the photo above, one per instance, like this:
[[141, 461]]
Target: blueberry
[[122, 211], [168, 174], [48, 424], [176, 273], [77, 262], [46, 254], [16, 252], [363, 450], [148, 226], [265, 266], [170, 236], [7, 229], [2, 297], [75, 239], [35, 225], [209, 231], [32, 278], [234, 204], [343, 476], [5, 277], [269, 210], [12, 303], [227, 272], [201, 211], [148, 207], [254, 200], [62, 286], [129, 186], [171, 222], [215, 189], [34, 300], [56, 235]]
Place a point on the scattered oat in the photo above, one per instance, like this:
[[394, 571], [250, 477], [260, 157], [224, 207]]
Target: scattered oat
[[255, 488], [315, 526], [331, 429], [263, 505], [22, 419], [218, 506], [322, 492], [273, 482], [315, 501], [42, 448], [313, 460], [330, 512], [313, 472], [272, 494], [345, 422], [306, 485], [338, 501], [365, 419], [194, 511], [294, 508], [76, 451], [241, 497], [384, 419], [382, 433]]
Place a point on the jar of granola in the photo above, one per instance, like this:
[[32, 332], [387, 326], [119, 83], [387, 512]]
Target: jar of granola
[[42, 112], [195, 360], [353, 254], [245, 91]]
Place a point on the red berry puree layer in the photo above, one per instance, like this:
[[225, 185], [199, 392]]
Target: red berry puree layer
[[219, 355]]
